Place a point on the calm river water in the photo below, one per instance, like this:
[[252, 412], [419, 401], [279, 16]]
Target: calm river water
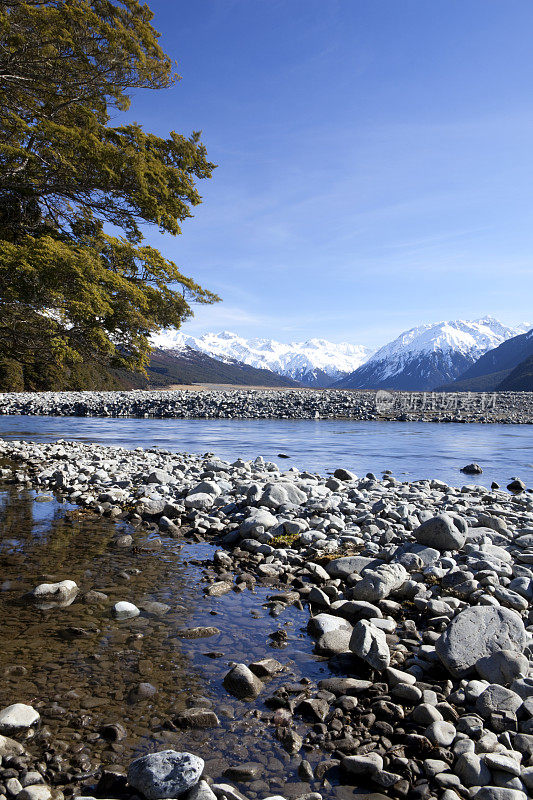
[[411, 450]]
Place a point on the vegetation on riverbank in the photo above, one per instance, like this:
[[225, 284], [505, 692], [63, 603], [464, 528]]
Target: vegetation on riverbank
[[77, 302]]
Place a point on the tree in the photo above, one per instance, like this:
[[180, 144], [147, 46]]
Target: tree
[[72, 290]]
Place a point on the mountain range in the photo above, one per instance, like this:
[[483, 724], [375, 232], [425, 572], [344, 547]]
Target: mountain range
[[500, 368], [315, 362], [436, 355], [429, 355]]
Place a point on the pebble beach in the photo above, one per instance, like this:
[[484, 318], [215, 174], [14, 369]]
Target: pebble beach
[[416, 598]]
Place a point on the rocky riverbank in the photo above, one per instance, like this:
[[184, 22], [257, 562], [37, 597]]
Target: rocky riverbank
[[420, 603], [503, 407]]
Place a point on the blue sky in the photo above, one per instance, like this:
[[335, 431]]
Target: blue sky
[[375, 162]]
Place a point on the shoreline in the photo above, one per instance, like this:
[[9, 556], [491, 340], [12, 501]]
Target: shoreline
[[386, 569], [205, 403]]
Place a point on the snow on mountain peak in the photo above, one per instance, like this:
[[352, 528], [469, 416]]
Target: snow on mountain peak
[[316, 362], [432, 354]]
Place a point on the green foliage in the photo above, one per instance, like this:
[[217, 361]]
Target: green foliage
[[11, 375], [69, 291]]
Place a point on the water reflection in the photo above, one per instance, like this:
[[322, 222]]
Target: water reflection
[[83, 670]]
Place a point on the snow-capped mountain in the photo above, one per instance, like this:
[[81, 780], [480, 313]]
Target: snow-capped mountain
[[430, 355], [316, 362]]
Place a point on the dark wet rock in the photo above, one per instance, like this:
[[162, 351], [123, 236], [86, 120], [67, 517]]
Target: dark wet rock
[[155, 608], [141, 692], [472, 469], [92, 597], [113, 732], [516, 486], [198, 633], [266, 668], [478, 632], [241, 682], [247, 771], [219, 588], [313, 708], [197, 718], [124, 540], [167, 774], [291, 740]]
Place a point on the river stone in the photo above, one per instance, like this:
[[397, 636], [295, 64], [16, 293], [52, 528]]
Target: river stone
[[498, 793], [202, 791], [9, 747], [51, 595], [348, 565], [377, 584], [324, 623], [202, 501], [370, 644], [516, 486], [197, 718], [278, 494], [440, 532], [344, 475], [335, 642], [478, 632], [503, 667], [497, 699], [242, 683], [17, 717], [37, 791], [471, 770], [165, 774], [257, 517], [125, 610]]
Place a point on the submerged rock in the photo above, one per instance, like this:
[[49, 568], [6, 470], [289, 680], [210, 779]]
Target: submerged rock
[[54, 595]]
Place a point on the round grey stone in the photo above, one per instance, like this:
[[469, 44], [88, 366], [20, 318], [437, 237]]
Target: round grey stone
[[478, 632], [165, 774]]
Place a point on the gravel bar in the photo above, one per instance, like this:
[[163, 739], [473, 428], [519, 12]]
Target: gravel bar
[[503, 407], [419, 596]]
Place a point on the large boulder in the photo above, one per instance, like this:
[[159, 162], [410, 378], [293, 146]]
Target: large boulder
[[476, 633], [258, 517], [370, 644], [165, 774], [496, 699], [201, 501], [440, 532], [378, 583], [279, 494], [503, 667], [324, 623]]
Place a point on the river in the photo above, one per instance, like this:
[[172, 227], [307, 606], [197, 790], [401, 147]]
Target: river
[[411, 450]]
